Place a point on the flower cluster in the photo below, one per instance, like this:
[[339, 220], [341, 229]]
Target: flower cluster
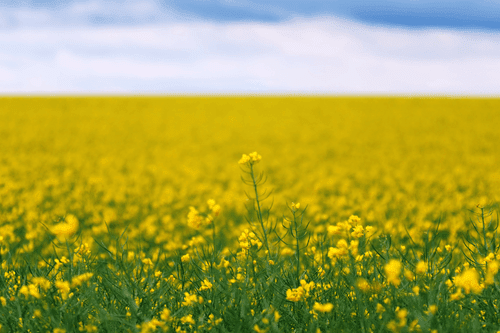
[[251, 158], [195, 219], [393, 272], [300, 293], [248, 239]]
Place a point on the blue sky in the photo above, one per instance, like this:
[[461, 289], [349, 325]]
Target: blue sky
[[250, 46]]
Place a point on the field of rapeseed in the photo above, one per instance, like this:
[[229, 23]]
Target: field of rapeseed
[[249, 214]]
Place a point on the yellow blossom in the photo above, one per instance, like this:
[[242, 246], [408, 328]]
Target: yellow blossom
[[327, 307], [64, 288], [67, 228], [255, 157], [393, 270], [188, 319], [421, 267], [469, 281], [358, 231], [205, 285], [80, 279], [194, 218], [165, 314], [363, 285], [244, 159], [189, 299], [334, 230]]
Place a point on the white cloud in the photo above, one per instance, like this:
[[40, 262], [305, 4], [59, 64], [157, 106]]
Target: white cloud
[[316, 55]]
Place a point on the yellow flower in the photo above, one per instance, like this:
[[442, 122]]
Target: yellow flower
[[189, 299], [216, 210], [41, 282], [363, 285], [37, 314], [469, 281], [64, 288], [147, 262], [24, 291], [255, 157], [369, 231], [456, 296], [295, 295], [186, 258], [492, 270], [354, 220], [392, 271], [295, 206], [244, 159], [353, 247], [358, 231], [188, 319], [328, 307], [194, 218], [80, 279], [211, 203], [334, 230], [421, 267], [165, 314], [205, 285], [67, 228], [252, 158]]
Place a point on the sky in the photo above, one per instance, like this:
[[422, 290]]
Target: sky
[[356, 47]]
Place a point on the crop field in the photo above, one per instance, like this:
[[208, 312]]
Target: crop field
[[249, 214]]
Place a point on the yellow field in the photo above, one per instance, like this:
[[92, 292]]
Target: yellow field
[[92, 168], [393, 162]]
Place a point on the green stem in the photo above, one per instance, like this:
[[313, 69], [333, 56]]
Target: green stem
[[297, 248], [484, 233], [259, 212]]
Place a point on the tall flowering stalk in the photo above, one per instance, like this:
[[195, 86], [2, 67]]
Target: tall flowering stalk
[[248, 162]]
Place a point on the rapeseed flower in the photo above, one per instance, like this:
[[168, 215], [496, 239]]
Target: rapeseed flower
[[205, 285], [421, 267], [327, 307], [67, 228], [393, 271], [64, 288], [188, 319], [251, 158], [78, 280], [363, 285], [469, 281], [190, 299], [244, 159], [194, 218], [491, 272]]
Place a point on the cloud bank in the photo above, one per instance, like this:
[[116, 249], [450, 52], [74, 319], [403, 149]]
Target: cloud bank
[[168, 53]]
